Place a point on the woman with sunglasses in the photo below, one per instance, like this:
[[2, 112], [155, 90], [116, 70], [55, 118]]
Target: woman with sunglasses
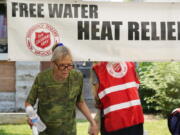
[[59, 91]]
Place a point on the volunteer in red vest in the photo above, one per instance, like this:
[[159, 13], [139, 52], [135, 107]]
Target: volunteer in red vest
[[116, 87]]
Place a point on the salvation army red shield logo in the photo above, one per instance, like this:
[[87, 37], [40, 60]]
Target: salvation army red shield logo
[[117, 70], [116, 67], [40, 38]]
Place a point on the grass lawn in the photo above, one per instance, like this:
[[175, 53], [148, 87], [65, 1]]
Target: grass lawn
[[153, 127], [156, 127]]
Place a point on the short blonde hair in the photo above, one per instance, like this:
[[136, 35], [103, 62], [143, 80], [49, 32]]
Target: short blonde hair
[[59, 52]]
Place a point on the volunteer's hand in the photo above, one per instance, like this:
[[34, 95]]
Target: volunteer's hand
[[178, 109]]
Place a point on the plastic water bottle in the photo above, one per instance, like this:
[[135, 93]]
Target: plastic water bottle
[[37, 123], [35, 130]]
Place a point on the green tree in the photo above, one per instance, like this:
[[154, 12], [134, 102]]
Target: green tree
[[160, 86]]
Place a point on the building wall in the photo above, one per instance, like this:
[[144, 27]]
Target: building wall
[[7, 76], [7, 86], [25, 75], [7, 101], [16, 79]]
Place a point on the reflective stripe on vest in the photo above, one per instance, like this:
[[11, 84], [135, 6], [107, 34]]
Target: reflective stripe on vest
[[117, 88], [121, 106]]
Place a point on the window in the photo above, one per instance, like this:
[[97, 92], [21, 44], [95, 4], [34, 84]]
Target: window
[[3, 32]]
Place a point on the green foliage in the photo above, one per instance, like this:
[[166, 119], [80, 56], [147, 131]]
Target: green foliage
[[160, 86]]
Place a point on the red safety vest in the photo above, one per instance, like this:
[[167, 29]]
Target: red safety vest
[[118, 93]]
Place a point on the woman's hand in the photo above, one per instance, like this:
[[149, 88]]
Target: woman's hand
[[29, 122], [93, 129], [28, 119]]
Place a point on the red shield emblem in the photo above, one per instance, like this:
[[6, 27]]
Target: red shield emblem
[[117, 67], [42, 39]]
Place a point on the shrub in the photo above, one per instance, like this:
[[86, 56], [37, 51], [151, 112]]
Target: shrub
[[160, 86]]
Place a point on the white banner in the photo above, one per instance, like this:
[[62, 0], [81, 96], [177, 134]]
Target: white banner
[[95, 31]]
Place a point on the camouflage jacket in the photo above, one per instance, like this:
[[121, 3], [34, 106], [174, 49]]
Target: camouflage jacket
[[57, 101]]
